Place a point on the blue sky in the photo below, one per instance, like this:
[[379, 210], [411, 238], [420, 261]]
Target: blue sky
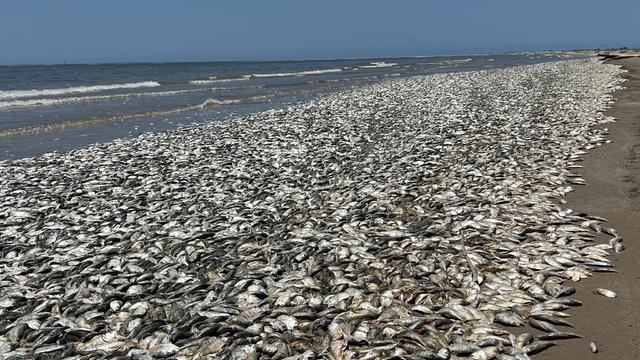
[[48, 31]]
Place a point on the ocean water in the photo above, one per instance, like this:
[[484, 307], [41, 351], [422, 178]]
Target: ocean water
[[62, 107]]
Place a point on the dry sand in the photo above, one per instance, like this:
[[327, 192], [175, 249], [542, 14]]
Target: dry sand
[[612, 173]]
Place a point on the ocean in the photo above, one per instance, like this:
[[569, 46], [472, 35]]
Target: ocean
[[47, 108]]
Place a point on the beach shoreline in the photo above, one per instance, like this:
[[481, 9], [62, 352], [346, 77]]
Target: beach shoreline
[[612, 175], [97, 104], [424, 207]]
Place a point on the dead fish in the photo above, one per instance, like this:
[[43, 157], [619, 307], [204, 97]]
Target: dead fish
[[378, 222], [426, 355], [551, 319], [164, 350], [509, 319], [542, 325], [108, 342], [559, 336], [605, 292], [565, 291], [244, 352], [537, 347], [444, 353], [492, 340], [523, 339], [618, 247], [567, 302], [337, 349], [609, 231], [48, 349], [485, 353], [463, 348]]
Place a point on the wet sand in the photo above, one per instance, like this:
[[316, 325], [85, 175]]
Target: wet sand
[[612, 173]]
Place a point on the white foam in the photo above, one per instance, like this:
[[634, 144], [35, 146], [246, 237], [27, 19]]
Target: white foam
[[69, 100], [214, 79], [19, 94], [213, 102], [378, 64], [202, 82], [300, 73], [458, 61]]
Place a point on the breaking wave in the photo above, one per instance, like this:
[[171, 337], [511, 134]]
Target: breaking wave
[[377, 64], [299, 73], [20, 94], [215, 79], [69, 100], [59, 125]]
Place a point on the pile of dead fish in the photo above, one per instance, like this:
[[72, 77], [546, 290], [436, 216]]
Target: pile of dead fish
[[411, 219]]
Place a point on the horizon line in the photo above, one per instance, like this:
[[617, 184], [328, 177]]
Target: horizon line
[[297, 59]]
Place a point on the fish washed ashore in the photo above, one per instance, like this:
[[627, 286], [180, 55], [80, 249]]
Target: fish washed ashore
[[612, 173], [415, 218]]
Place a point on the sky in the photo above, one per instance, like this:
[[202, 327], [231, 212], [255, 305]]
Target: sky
[[80, 31]]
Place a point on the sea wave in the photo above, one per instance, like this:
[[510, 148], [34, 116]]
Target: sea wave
[[207, 104], [215, 79], [215, 102], [458, 61], [78, 99], [63, 124], [20, 94], [70, 100], [299, 73], [377, 64], [202, 82]]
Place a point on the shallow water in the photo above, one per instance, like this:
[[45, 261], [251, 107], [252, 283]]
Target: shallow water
[[61, 107]]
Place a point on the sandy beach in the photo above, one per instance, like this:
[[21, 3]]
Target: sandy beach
[[612, 173]]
